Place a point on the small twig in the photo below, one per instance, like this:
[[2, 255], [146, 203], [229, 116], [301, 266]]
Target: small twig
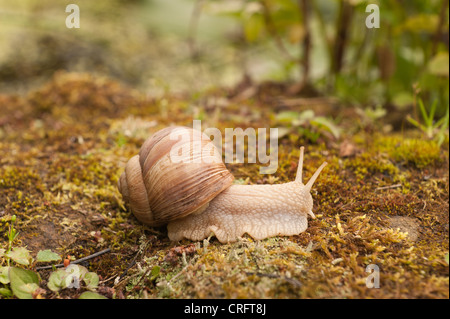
[[389, 187], [131, 264], [78, 261], [439, 30], [303, 6], [142, 248], [342, 36]]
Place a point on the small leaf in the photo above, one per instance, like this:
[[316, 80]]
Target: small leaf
[[68, 277], [287, 116], [91, 280], [283, 131], [23, 282], [253, 26], [91, 295], [402, 100], [446, 258], [155, 272], [57, 280], [438, 65], [421, 23], [20, 255], [47, 256], [322, 121], [4, 277], [5, 292], [78, 270], [415, 123], [304, 117], [424, 112]]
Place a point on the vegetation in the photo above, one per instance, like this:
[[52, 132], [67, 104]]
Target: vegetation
[[373, 103]]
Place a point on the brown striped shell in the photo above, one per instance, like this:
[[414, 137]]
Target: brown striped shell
[[178, 172]]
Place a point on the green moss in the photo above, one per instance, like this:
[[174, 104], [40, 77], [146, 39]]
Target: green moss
[[59, 176], [368, 164], [20, 178], [418, 152]]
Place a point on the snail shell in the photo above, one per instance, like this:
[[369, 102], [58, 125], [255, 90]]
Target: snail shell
[[160, 190]]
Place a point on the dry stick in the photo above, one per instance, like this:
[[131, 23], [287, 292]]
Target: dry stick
[[133, 261], [131, 264], [306, 45], [78, 261], [342, 36], [389, 187], [438, 34]]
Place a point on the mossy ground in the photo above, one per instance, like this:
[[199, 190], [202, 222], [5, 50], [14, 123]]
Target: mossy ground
[[384, 202]]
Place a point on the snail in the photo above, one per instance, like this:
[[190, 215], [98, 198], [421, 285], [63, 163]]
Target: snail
[[196, 197]]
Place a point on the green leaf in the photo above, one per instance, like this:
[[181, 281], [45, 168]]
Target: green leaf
[[57, 280], [91, 295], [446, 258], [23, 282], [69, 277], [155, 272], [20, 255], [287, 116], [307, 115], [253, 26], [77, 270], [421, 23], [402, 99], [432, 111], [439, 64], [415, 123], [283, 131], [322, 121], [424, 112], [5, 292], [4, 277], [91, 280], [47, 256], [443, 121]]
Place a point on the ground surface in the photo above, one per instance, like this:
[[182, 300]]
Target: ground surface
[[383, 198]]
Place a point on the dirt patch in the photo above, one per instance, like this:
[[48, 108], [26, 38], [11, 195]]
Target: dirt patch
[[406, 225]]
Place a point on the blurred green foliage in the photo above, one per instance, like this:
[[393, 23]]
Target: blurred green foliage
[[361, 65], [195, 44]]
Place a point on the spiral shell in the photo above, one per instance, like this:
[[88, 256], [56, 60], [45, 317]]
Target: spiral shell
[[178, 172]]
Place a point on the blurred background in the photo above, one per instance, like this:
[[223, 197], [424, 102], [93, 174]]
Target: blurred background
[[311, 47]]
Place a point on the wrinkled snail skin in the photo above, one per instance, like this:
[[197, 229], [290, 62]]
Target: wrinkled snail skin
[[227, 211], [259, 210]]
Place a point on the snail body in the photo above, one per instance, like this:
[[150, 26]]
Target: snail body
[[196, 198]]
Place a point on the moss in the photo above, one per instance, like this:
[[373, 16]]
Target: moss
[[64, 146], [418, 152], [367, 165]]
